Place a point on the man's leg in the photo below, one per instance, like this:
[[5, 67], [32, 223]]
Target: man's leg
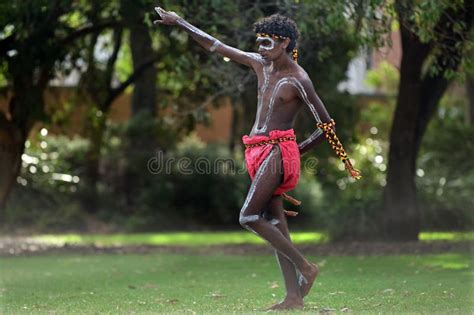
[[290, 273], [266, 180]]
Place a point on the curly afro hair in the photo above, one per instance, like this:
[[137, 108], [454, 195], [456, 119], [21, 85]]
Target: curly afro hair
[[280, 25]]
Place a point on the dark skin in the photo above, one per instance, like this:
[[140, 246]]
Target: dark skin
[[272, 64]]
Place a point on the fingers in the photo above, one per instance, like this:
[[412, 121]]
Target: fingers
[[159, 10], [167, 17]]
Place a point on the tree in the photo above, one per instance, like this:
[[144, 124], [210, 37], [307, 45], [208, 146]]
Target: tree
[[35, 36], [434, 37], [100, 89], [38, 40]]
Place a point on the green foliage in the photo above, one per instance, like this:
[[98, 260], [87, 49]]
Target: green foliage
[[310, 212], [198, 185], [384, 78], [50, 180], [356, 210], [53, 161], [446, 171], [3, 79]]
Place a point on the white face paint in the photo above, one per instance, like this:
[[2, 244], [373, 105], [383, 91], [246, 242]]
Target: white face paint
[[266, 43]]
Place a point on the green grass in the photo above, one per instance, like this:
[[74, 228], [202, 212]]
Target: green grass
[[446, 236], [209, 238], [184, 283], [172, 238]]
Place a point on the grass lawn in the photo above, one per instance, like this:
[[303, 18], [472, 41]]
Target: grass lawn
[[210, 238], [188, 283], [172, 238]]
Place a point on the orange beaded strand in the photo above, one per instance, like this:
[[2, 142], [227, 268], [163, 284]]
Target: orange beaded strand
[[295, 54], [336, 145]]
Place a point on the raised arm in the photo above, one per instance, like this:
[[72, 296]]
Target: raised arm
[[207, 41]]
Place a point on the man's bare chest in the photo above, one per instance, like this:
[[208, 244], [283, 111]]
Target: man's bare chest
[[277, 90]]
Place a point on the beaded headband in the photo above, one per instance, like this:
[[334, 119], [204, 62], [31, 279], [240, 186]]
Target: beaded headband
[[294, 53]]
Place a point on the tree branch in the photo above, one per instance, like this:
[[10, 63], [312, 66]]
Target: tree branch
[[114, 93], [6, 44], [117, 40], [86, 30]]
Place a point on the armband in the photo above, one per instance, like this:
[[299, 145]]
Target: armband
[[214, 46]]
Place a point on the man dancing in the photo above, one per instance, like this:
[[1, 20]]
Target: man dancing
[[272, 155]]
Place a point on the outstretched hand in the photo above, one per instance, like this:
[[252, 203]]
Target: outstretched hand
[[167, 17]]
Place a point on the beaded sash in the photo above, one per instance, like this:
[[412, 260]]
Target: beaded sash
[[271, 141]]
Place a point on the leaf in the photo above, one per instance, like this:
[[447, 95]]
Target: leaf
[[327, 310], [149, 286], [274, 285], [216, 295]]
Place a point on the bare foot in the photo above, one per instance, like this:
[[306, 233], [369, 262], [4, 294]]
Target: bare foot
[[307, 278], [287, 304]]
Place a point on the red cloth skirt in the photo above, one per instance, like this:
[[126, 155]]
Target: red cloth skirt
[[255, 156]]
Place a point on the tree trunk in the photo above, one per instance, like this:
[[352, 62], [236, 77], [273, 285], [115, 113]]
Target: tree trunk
[[401, 215], [470, 104], [234, 124], [144, 89], [24, 108], [143, 97], [92, 160], [417, 101], [433, 89], [12, 141]]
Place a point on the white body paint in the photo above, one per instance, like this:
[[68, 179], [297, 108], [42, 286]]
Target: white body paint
[[303, 94], [255, 56], [313, 136], [214, 46], [286, 80], [243, 219], [250, 218], [274, 221], [195, 30], [261, 92]]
